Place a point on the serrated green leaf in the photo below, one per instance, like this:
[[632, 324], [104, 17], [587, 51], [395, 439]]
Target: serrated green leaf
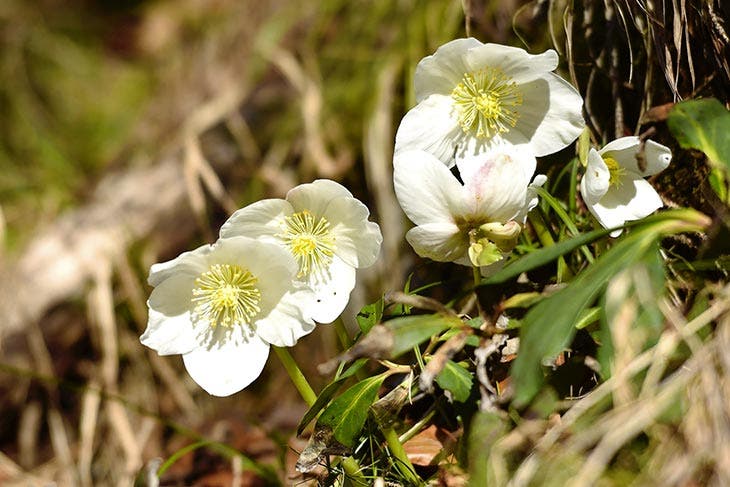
[[330, 390], [550, 325], [455, 379], [370, 315], [347, 413], [410, 331], [703, 125]]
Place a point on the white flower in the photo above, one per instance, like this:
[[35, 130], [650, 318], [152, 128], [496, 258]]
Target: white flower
[[613, 186], [220, 306], [326, 230], [470, 95], [476, 223]]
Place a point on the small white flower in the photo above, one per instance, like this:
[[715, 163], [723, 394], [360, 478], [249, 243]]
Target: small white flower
[[327, 231], [613, 186], [471, 95], [474, 223], [220, 306]]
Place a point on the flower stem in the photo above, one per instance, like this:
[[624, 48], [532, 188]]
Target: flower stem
[[403, 464], [296, 376]]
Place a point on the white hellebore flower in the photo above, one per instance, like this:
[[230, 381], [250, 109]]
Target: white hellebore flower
[[220, 306], [471, 95], [474, 223], [326, 230], [613, 186]]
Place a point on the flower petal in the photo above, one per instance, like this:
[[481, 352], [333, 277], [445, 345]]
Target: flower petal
[[227, 369], [330, 292], [595, 181], [259, 219], [425, 188], [286, 323], [357, 240], [531, 198], [316, 196], [430, 126], [657, 156], [516, 63], [632, 200], [442, 71], [191, 263], [496, 182], [442, 242], [169, 335], [550, 115]]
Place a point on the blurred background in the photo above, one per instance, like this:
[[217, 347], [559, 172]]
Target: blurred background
[[131, 129]]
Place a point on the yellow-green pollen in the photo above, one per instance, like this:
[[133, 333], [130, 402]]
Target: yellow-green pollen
[[226, 295], [310, 241], [486, 102], [615, 171]]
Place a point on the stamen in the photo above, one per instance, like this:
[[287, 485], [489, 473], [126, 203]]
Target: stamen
[[486, 100], [615, 171], [311, 242], [226, 295]]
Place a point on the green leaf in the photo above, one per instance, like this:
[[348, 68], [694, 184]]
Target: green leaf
[[330, 390], [703, 125], [345, 416], [370, 315], [550, 325], [455, 379], [409, 331], [485, 430]]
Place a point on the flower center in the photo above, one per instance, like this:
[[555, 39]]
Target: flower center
[[226, 295], [486, 100], [615, 171], [311, 241]]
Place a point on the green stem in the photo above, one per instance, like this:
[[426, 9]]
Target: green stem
[[296, 376], [403, 465], [342, 334], [352, 469]]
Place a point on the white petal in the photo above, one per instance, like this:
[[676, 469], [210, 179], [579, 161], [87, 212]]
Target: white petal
[[496, 182], [625, 150], [330, 292], [442, 242], [550, 115], [259, 219], [357, 240], [431, 126], [316, 196], [632, 200], [443, 70], [228, 369], [286, 323], [531, 198], [173, 295], [425, 188], [657, 156], [513, 61], [169, 335], [594, 183], [191, 263]]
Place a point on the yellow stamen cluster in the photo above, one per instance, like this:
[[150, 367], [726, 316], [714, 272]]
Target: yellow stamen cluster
[[615, 171], [310, 241], [486, 101], [226, 295]]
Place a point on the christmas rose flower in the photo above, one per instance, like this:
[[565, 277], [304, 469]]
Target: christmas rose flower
[[475, 223], [221, 306], [327, 232], [472, 95], [613, 186]]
